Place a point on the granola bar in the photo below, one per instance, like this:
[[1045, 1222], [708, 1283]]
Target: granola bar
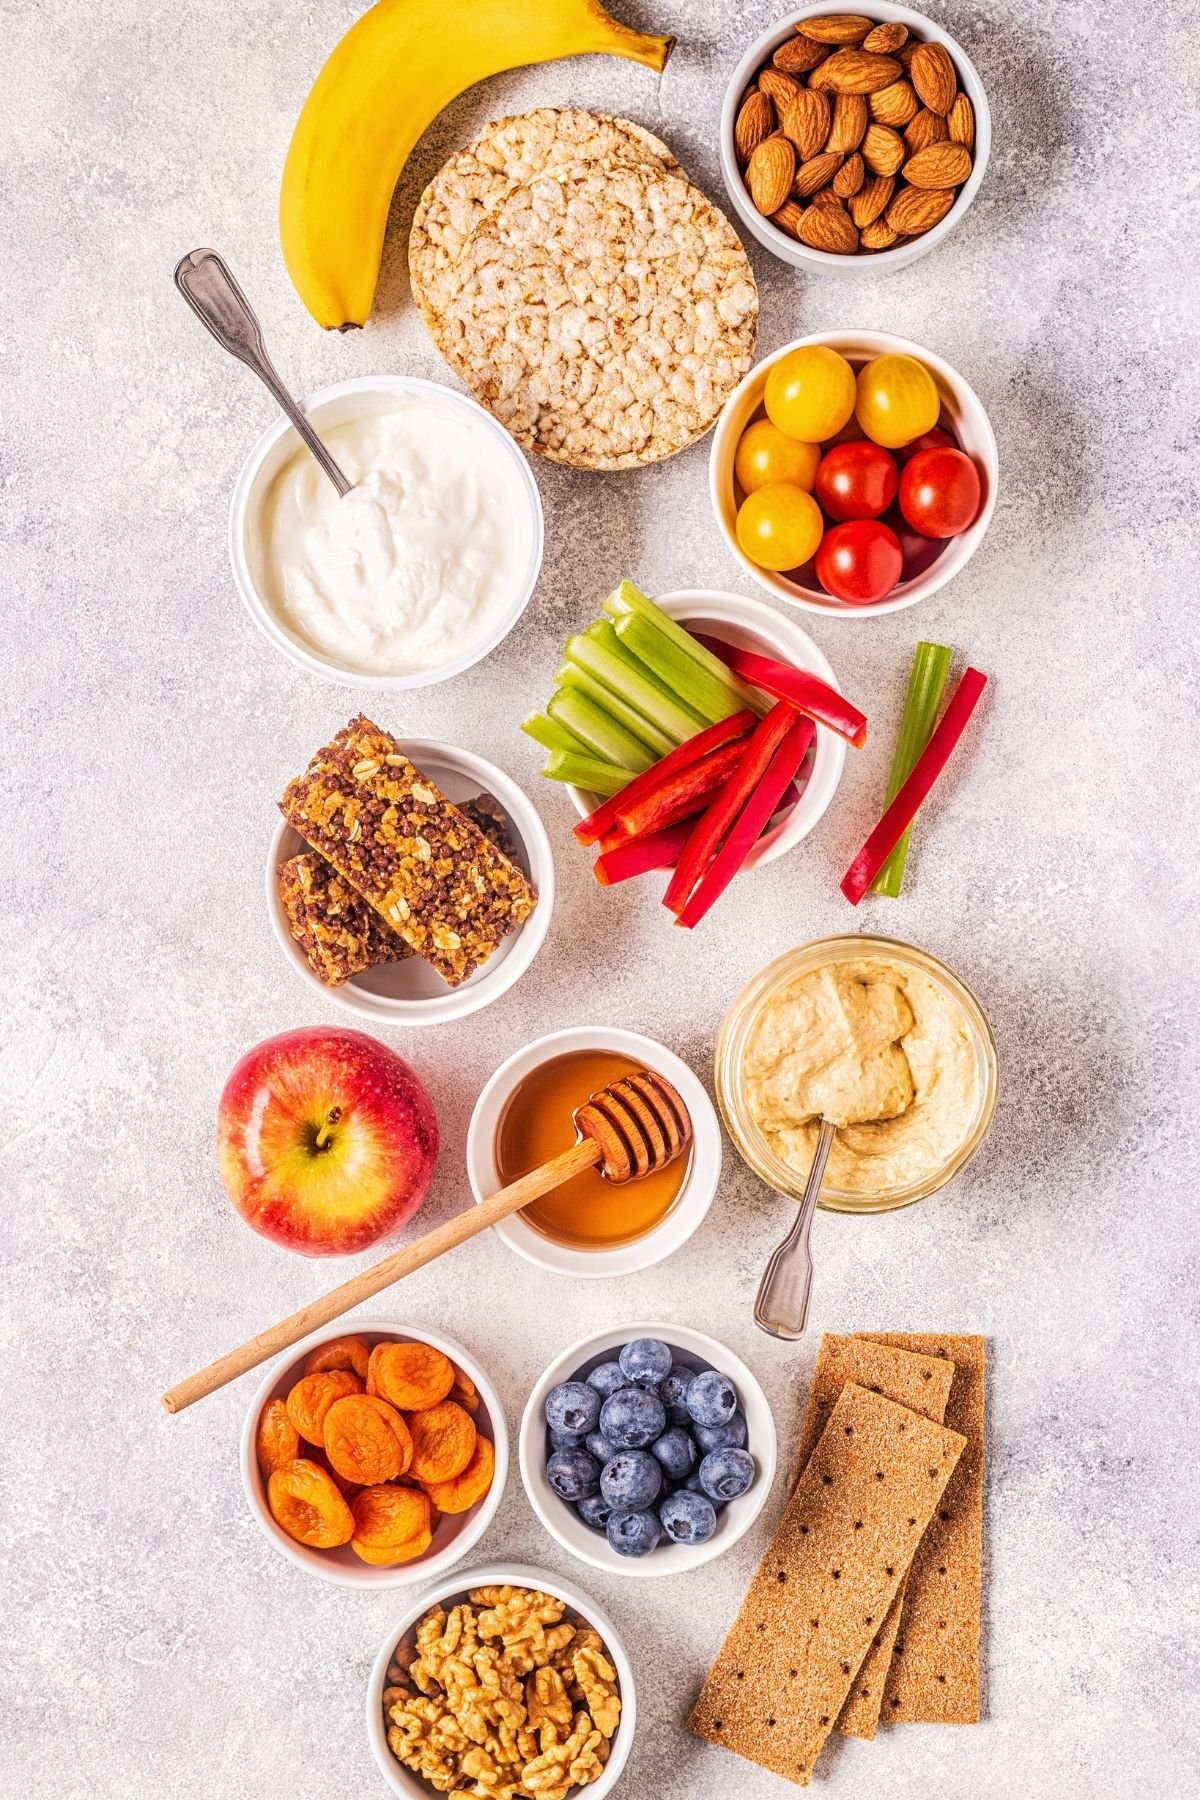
[[426, 869]]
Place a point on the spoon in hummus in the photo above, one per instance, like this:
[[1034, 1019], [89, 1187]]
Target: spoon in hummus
[[781, 1303]]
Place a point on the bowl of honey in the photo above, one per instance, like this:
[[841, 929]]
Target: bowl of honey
[[589, 1226]]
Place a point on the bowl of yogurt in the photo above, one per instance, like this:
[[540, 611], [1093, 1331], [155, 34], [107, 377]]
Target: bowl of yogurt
[[415, 574]]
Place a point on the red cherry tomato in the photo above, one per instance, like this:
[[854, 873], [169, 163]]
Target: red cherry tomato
[[919, 552], [939, 492], [859, 561], [937, 439], [856, 480]]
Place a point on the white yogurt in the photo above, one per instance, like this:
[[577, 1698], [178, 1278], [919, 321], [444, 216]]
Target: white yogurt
[[420, 561]]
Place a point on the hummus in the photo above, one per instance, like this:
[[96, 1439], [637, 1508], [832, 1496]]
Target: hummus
[[884, 1052]]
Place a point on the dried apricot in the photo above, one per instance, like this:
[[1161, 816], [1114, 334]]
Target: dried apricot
[[411, 1376], [391, 1524], [305, 1503], [366, 1440], [464, 1390], [312, 1397], [443, 1439], [340, 1353], [347, 1489], [276, 1441], [462, 1491]]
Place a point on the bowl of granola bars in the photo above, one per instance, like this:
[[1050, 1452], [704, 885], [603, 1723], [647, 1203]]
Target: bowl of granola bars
[[510, 1682], [409, 881]]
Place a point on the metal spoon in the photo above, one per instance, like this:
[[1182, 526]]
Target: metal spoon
[[204, 280], [781, 1303]]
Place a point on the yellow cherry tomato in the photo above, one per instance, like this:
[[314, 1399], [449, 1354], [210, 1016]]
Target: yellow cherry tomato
[[810, 393], [897, 400], [779, 527], [766, 456]]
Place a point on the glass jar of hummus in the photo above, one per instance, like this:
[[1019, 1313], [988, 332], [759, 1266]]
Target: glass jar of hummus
[[876, 1035]]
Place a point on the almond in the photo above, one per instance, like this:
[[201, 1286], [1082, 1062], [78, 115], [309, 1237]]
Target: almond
[[826, 197], [829, 228], [878, 236], [885, 38], [960, 122], [788, 217], [883, 150], [871, 199], [817, 173], [849, 122], [777, 86], [906, 52], [927, 128], [914, 210], [835, 28], [855, 72], [849, 177], [805, 119], [938, 166], [769, 173], [755, 121], [932, 74], [894, 105], [798, 55]]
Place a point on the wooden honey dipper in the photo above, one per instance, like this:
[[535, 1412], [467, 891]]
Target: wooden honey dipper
[[628, 1129]]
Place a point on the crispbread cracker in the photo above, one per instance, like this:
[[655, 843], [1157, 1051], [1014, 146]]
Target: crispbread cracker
[[934, 1674], [846, 1537], [921, 1383]]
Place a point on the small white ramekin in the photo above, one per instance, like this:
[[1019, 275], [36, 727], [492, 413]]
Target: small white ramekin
[[696, 1350], [961, 408], [823, 262], [279, 443], [750, 625], [410, 993], [411, 1787], [456, 1534], [694, 1198]]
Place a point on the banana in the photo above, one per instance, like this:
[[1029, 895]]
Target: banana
[[387, 79]]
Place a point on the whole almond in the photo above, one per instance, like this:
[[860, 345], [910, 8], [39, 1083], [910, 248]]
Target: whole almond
[[883, 150], [805, 119], [788, 217], [769, 173], [907, 51], [878, 236], [755, 121], [826, 197], [960, 122], [848, 123], [932, 74], [836, 28], [777, 86], [938, 166], [894, 105], [855, 72], [885, 38], [914, 210], [798, 55], [815, 174], [829, 228], [871, 199], [926, 128], [849, 177]]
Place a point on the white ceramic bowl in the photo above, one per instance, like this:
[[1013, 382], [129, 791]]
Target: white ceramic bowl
[[412, 1787], [279, 443], [752, 626], [962, 410], [410, 993], [694, 1197], [456, 1534], [788, 249], [696, 1350]]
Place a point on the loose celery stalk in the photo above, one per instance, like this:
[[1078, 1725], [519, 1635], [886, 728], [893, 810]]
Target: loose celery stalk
[[931, 665], [550, 736], [586, 772], [627, 600], [598, 650], [571, 675], [599, 731], [712, 696]]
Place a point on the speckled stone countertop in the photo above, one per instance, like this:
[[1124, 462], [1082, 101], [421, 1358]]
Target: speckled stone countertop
[[154, 1644]]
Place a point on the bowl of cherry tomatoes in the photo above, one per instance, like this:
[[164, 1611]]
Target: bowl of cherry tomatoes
[[853, 473]]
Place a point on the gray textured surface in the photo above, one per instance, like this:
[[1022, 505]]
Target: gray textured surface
[[154, 1644]]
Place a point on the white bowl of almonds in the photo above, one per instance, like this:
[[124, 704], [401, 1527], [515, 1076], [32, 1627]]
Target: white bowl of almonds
[[854, 134]]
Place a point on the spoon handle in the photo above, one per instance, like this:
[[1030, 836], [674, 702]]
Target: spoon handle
[[781, 1304], [207, 284]]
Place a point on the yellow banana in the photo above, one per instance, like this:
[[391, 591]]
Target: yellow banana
[[387, 79]]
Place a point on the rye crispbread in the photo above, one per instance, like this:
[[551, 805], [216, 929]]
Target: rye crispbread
[[846, 1537]]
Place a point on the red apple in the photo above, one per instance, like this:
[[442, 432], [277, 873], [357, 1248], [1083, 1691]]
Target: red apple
[[326, 1140]]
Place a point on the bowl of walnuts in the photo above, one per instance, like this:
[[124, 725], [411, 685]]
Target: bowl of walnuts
[[854, 134]]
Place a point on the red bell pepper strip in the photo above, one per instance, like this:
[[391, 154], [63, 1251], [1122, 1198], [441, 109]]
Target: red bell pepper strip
[[589, 830], [805, 691], [748, 828], [712, 825], [658, 850], [679, 795], [903, 809]]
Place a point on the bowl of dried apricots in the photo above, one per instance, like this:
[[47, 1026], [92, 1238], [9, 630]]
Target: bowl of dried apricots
[[375, 1457]]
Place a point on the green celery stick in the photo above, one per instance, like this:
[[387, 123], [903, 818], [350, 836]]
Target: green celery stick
[[598, 651], [599, 731], [571, 675], [586, 772], [712, 696], [550, 736], [931, 665], [627, 601]]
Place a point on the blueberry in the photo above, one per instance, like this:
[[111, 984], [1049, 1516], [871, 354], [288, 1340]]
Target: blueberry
[[712, 1398], [573, 1474], [693, 1486], [730, 1436], [565, 1440], [594, 1510], [724, 1474], [632, 1480], [675, 1451], [672, 1391], [632, 1418], [632, 1533], [572, 1406], [600, 1448], [607, 1379], [646, 1361], [687, 1517]]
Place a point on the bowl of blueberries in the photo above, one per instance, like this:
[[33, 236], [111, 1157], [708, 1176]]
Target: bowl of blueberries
[[647, 1449]]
